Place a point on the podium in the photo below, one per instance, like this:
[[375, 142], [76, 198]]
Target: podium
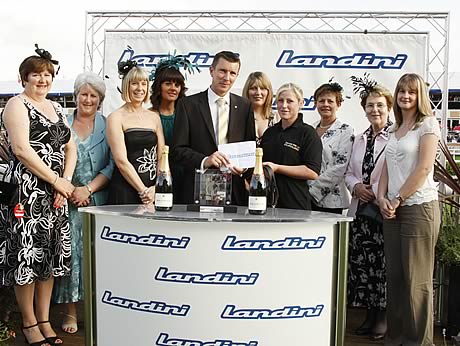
[[191, 278]]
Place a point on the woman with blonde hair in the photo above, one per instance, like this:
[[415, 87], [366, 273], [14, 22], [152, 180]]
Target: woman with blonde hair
[[292, 150], [407, 196], [135, 137], [258, 89]]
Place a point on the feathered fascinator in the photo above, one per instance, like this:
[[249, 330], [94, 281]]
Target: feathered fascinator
[[336, 87], [125, 66], [44, 54], [364, 86], [176, 62]]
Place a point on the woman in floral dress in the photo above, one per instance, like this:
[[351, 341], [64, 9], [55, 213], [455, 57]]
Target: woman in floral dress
[[35, 248], [329, 192], [366, 264], [135, 138]]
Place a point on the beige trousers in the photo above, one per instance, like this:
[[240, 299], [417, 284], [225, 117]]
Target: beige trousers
[[410, 241]]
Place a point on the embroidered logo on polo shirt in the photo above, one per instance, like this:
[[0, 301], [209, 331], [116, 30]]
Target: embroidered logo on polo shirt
[[292, 146]]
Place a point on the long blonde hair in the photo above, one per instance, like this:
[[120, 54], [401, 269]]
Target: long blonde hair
[[414, 82], [261, 80]]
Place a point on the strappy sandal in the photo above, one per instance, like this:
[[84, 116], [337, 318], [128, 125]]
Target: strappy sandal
[[51, 339], [37, 343], [69, 325]]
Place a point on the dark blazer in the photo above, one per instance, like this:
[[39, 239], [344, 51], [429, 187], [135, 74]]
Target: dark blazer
[[194, 138]]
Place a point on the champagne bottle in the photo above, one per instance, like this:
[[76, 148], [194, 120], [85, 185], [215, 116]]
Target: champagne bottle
[[258, 188], [163, 187]]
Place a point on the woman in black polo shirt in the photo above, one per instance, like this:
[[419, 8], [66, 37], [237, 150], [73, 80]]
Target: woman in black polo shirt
[[292, 149]]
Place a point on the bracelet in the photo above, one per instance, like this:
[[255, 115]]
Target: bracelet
[[55, 180], [90, 190], [68, 178]]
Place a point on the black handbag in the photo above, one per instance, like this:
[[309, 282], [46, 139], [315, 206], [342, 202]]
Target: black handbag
[[370, 211], [8, 193]]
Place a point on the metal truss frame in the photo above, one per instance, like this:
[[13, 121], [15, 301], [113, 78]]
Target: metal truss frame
[[435, 23]]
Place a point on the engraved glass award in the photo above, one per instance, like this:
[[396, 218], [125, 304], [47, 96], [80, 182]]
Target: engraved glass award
[[213, 191]]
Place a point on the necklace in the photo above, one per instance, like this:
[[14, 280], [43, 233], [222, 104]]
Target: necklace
[[325, 126]]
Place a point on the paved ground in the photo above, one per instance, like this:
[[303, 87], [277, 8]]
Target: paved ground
[[354, 319]]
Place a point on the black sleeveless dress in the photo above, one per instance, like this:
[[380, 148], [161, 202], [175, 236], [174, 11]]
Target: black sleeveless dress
[[141, 149], [37, 246]]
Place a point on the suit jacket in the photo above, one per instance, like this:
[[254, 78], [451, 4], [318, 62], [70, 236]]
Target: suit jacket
[[194, 138], [100, 155]]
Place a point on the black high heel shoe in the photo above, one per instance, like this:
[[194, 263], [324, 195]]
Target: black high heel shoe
[[51, 339], [37, 343]]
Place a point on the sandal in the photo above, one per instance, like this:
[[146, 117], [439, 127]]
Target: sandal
[[66, 326], [37, 343], [51, 339]]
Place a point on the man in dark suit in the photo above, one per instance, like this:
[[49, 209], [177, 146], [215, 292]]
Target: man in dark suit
[[214, 116]]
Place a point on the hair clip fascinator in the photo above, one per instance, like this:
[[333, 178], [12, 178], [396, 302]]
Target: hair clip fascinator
[[44, 54], [124, 67], [364, 86], [335, 86], [176, 62]]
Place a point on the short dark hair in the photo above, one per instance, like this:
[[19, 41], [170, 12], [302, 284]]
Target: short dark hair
[[226, 55], [165, 75], [34, 64], [326, 89]]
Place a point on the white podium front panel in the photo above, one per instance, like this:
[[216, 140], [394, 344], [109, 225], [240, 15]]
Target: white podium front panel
[[163, 282]]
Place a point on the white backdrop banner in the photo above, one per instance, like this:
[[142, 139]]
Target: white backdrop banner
[[307, 59]]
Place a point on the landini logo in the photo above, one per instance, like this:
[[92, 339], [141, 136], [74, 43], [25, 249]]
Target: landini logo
[[288, 243], [151, 306], [201, 59], [231, 312], [165, 340], [288, 59], [155, 240], [218, 278]]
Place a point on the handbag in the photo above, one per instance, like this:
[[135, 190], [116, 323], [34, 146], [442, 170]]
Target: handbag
[[370, 211], [9, 193], [3, 141]]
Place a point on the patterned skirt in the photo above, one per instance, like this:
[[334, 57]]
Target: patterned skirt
[[366, 265]]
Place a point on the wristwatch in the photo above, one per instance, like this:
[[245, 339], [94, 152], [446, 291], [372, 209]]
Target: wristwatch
[[90, 190], [399, 198]]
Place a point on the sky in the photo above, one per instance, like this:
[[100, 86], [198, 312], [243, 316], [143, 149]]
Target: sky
[[59, 26]]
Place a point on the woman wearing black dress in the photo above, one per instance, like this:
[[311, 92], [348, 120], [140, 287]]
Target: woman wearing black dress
[[36, 248], [135, 138]]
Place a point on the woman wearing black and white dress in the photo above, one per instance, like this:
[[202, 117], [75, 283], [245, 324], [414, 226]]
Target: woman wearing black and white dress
[[36, 248]]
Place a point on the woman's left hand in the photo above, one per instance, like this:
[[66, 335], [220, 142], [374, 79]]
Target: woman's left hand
[[148, 196], [272, 165], [80, 196], [59, 200]]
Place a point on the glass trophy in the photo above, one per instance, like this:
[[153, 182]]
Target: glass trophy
[[213, 191]]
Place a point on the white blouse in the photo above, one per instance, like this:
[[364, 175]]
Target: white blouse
[[402, 157], [329, 190]]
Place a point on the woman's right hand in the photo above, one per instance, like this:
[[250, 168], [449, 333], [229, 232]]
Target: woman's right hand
[[64, 187], [364, 192], [386, 208]]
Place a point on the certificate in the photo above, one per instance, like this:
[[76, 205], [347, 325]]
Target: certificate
[[240, 154]]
